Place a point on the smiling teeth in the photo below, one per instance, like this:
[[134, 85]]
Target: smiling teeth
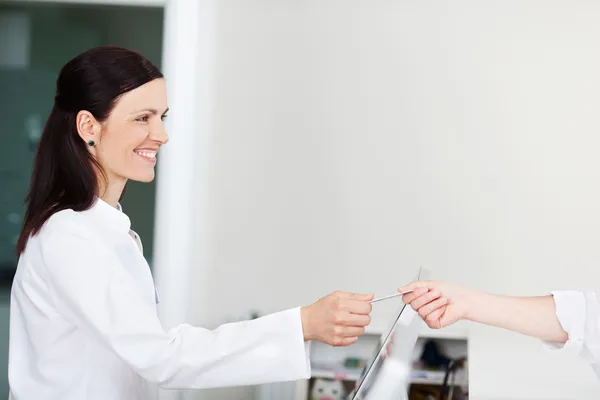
[[145, 154]]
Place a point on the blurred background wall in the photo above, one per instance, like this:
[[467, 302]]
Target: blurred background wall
[[355, 141]]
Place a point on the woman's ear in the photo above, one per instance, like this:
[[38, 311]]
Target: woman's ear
[[88, 127]]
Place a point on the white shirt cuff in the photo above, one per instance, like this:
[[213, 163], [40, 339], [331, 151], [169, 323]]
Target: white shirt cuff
[[307, 346], [571, 314], [306, 343]]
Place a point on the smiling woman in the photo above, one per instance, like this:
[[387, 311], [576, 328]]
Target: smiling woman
[[83, 320], [105, 114], [126, 143]]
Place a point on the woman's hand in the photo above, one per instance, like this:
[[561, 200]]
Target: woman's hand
[[439, 303], [337, 319]]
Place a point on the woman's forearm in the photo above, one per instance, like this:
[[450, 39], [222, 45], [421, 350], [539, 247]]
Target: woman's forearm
[[532, 316]]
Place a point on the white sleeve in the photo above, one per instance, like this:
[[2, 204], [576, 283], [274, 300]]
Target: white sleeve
[[579, 315], [95, 292]]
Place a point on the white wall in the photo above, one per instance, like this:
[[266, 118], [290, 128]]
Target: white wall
[[355, 141]]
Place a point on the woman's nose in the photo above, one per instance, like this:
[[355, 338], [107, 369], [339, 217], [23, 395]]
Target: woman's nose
[[160, 134], [164, 137]]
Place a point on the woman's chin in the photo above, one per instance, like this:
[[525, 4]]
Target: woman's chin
[[145, 176]]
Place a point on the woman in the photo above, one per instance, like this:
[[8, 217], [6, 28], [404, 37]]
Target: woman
[[568, 320], [83, 308]]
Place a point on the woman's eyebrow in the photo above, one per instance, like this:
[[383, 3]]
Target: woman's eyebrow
[[153, 111]]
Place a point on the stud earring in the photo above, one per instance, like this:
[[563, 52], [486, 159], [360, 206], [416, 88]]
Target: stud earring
[[91, 143]]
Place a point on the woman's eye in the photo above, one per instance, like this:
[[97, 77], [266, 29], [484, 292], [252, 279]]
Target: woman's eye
[[163, 117], [143, 118]]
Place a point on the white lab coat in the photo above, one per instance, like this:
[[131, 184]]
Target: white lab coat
[[579, 315], [84, 323]]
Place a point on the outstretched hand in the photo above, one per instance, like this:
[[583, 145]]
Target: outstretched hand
[[440, 304], [337, 319]]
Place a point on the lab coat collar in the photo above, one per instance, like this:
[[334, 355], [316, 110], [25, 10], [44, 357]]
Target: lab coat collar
[[110, 216]]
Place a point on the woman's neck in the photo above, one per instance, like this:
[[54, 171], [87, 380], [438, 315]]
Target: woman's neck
[[111, 192]]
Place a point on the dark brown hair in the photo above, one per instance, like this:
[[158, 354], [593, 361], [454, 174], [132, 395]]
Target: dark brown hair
[[65, 174]]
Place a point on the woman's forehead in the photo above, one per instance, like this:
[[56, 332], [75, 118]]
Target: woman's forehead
[[150, 96]]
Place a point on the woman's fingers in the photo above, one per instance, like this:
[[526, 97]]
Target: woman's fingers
[[352, 331], [337, 319], [354, 296], [416, 293], [347, 341], [417, 285], [443, 304], [431, 307], [426, 298], [356, 307], [356, 320], [433, 319]]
